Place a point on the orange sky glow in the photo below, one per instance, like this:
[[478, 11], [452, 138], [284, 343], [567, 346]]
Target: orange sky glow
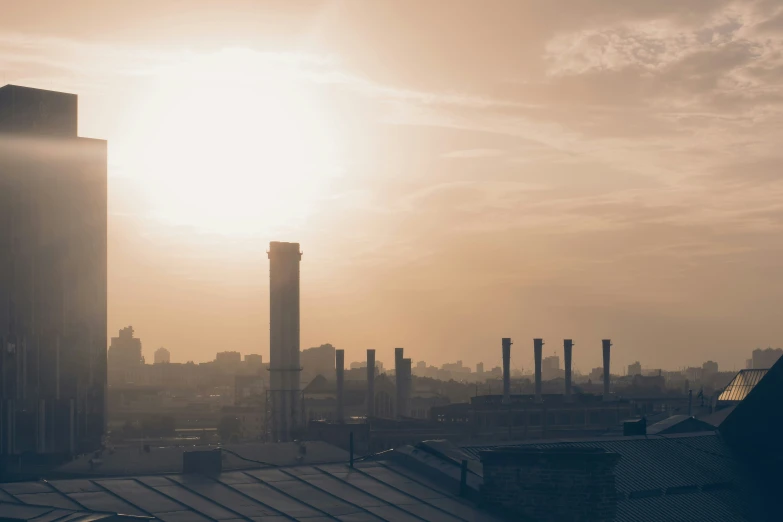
[[456, 172]]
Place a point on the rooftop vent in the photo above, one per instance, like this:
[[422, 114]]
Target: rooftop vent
[[202, 462]]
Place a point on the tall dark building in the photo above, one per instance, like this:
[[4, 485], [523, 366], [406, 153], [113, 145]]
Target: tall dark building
[[284, 366], [52, 277]]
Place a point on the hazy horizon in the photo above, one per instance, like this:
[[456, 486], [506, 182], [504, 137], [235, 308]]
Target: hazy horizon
[[454, 172]]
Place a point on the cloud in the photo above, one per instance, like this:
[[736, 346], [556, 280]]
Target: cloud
[[473, 153]]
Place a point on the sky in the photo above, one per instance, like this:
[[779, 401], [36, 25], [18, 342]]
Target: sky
[[455, 171]]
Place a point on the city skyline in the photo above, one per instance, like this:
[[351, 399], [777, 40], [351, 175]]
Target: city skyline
[[600, 172]]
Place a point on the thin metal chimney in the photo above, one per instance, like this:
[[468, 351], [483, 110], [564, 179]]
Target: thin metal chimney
[[538, 348], [370, 383], [340, 368], [568, 346], [506, 370], [398, 381], [607, 344]]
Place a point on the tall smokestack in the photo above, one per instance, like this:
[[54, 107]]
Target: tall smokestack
[[506, 370], [407, 383], [284, 368], [339, 364], [538, 347], [398, 380], [607, 343], [370, 383], [568, 346]]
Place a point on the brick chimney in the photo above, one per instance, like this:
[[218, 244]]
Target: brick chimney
[[370, 383], [538, 347], [398, 381], [551, 485], [568, 346], [506, 343], [607, 347], [407, 385], [339, 365]]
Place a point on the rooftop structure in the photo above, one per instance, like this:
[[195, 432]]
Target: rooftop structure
[[741, 385]]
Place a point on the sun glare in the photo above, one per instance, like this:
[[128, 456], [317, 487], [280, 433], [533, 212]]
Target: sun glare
[[234, 143]]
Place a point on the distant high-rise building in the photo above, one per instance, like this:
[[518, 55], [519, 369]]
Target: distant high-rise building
[[765, 359], [254, 363], [125, 359], [284, 367], [550, 368], [228, 362], [480, 367], [708, 369], [162, 356], [52, 277], [635, 368]]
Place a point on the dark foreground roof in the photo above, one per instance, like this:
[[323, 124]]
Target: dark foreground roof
[[678, 424], [372, 491], [693, 477], [22, 512]]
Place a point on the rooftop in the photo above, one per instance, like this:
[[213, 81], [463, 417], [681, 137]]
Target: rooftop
[[667, 478], [372, 491], [132, 461], [741, 385]]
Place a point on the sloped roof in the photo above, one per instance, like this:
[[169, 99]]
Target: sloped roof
[[131, 461], [678, 424], [753, 430], [740, 386], [716, 418], [372, 491], [668, 478], [19, 512]]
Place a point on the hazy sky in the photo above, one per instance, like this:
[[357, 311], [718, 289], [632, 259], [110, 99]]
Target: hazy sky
[[455, 171]]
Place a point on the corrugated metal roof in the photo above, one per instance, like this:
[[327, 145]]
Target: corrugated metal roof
[[696, 507], [13, 511], [372, 491], [678, 424], [667, 478], [740, 386]]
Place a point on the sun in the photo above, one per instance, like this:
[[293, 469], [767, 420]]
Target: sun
[[235, 143]]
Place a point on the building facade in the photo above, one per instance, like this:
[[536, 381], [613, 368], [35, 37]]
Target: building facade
[[53, 242], [124, 359]]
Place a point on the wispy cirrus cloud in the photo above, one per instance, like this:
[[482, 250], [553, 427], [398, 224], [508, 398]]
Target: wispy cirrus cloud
[[473, 153]]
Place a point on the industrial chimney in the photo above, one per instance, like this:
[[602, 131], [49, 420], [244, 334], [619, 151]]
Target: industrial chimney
[[568, 346], [398, 380], [506, 370], [407, 383], [370, 384], [538, 347], [340, 367], [607, 343]]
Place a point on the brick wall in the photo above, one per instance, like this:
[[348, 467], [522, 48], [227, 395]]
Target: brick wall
[[563, 485]]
